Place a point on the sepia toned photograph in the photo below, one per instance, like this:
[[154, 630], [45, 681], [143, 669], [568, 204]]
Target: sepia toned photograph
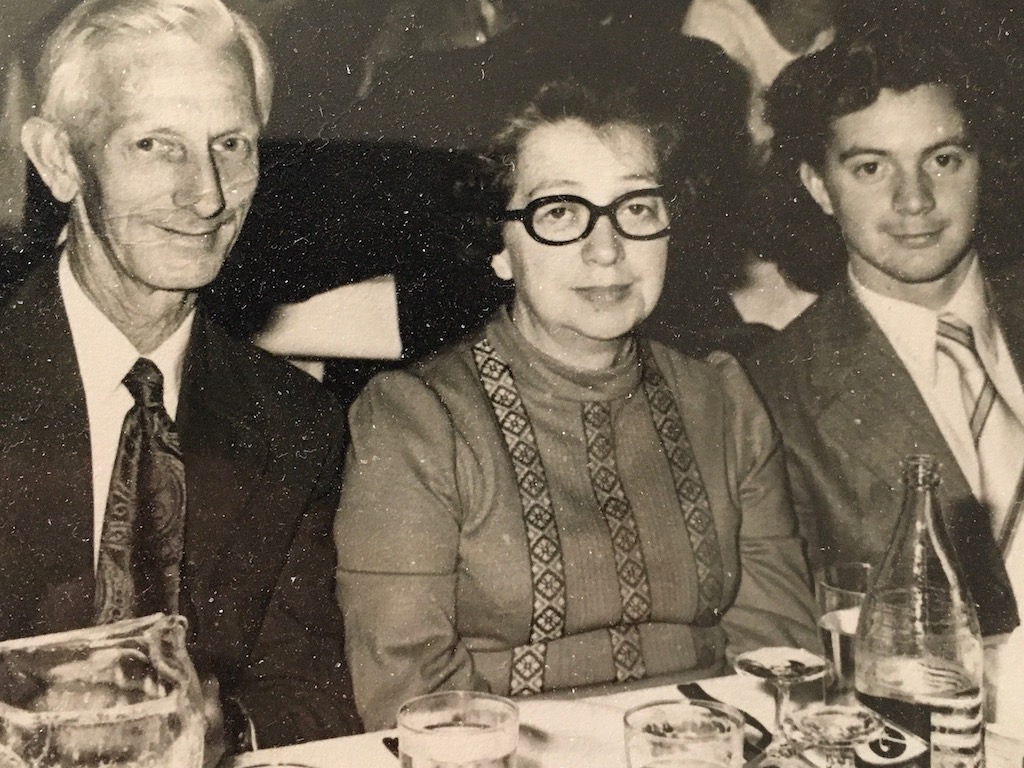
[[496, 383]]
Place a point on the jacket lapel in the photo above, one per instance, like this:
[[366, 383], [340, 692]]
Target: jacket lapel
[[1006, 297], [867, 401], [46, 510], [224, 448]]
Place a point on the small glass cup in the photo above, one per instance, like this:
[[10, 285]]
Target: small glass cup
[[684, 734], [834, 729], [842, 589], [458, 729]]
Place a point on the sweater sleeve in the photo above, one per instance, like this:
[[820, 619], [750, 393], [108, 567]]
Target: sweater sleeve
[[774, 604], [397, 534]]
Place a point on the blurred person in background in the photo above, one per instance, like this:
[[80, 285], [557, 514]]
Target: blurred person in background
[[763, 36]]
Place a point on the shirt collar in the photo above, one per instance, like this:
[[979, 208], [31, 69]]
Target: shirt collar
[[105, 354], [911, 329]]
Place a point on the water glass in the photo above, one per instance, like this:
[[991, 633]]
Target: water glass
[[842, 589], [684, 734], [458, 729]]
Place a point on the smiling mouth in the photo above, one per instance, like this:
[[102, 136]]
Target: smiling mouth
[[187, 233], [917, 239], [196, 229], [604, 294]]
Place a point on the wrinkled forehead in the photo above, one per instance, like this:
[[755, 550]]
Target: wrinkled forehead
[[128, 62], [168, 73]]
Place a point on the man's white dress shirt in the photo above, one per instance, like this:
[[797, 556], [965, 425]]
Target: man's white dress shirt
[[911, 329], [104, 358]]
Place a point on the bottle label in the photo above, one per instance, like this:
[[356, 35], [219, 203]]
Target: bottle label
[[940, 734], [895, 747]]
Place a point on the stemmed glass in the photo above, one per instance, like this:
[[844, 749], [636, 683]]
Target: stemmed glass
[[783, 668], [835, 729]]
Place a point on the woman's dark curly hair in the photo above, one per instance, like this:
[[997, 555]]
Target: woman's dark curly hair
[[898, 50]]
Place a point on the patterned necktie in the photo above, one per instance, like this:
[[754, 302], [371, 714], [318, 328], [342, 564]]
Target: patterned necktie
[[997, 433], [143, 528], [956, 339]]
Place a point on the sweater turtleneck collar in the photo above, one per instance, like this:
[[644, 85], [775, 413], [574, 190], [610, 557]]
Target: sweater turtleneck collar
[[536, 370]]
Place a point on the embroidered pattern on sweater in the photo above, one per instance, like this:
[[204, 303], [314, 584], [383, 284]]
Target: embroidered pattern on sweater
[[546, 564], [547, 569], [627, 652], [630, 567], [693, 496]]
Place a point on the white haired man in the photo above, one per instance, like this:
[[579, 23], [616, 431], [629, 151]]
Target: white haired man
[[147, 461]]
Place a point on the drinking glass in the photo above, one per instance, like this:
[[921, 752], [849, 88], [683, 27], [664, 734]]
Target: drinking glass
[[834, 729], [458, 729], [783, 668], [684, 734], [841, 589]]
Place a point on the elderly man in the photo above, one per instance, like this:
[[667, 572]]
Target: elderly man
[[920, 349], [148, 462]]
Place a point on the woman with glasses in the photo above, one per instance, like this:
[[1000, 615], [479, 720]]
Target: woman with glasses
[[555, 502]]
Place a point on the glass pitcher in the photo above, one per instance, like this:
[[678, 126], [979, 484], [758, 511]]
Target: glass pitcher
[[117, 695]]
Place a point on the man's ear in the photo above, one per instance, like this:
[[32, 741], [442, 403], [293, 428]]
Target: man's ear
[[49, 149], [501, 263], [815, 185]]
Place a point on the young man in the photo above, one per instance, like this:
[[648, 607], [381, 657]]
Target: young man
[[891, 135], [148, 462]]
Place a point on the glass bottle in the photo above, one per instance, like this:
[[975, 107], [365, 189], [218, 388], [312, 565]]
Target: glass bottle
[[918, 645]]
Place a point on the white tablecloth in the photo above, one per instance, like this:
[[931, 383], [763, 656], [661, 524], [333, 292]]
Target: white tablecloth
[[555, 733], [568, 732]]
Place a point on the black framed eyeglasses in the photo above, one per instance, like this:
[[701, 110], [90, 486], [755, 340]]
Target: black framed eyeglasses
[[562, 219]]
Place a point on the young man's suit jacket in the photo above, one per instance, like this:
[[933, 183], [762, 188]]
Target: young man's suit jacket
[[849, 412], [262, 449]]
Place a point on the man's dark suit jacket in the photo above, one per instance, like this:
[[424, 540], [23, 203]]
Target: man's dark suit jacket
[[849, 412], [262, 449]]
